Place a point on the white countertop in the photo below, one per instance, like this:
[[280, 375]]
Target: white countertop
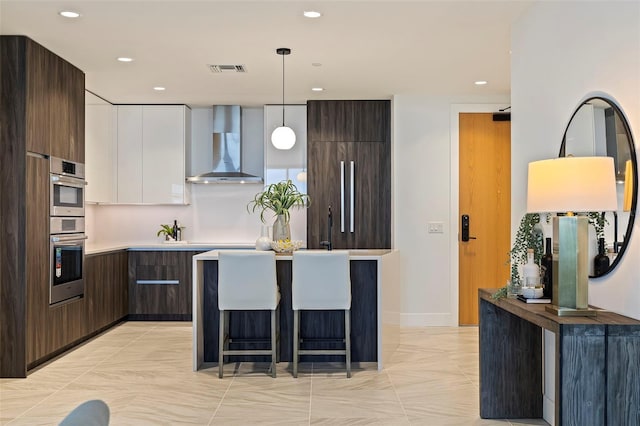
[[360, 254], [182, 245]]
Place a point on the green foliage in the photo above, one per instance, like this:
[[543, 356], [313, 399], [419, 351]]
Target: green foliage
[[279, 198], [501, 293], [598, 221], [528, 236], [165, 230]]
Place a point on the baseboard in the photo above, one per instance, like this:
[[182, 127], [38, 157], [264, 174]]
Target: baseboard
[[427, 320], [548, 410], [159, 317]]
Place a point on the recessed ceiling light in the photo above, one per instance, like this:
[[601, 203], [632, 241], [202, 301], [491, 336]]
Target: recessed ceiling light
[[159, 88], [316, 64], [312, 14], [69, 14], [317, 89], [480, 83], [125, 59]]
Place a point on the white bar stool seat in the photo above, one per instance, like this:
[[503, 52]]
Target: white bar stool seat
[[321, 280], [246, 282]]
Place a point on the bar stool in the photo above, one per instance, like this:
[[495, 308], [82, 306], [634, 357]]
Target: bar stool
[[321, 281], [246, 282]]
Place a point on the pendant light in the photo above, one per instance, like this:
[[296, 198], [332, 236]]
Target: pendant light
[[283, 137]]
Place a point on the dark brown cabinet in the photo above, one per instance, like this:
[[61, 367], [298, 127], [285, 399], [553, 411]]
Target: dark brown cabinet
[[348, 121], [160, 285], [49, 329], [106, 289], [349, 169], [41, 111], [53, 93]]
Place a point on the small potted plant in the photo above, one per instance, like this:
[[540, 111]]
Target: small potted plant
[[279, 198], [167, 231]]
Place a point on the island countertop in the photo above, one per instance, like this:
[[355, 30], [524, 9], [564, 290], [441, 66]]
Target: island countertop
[[355, 254]]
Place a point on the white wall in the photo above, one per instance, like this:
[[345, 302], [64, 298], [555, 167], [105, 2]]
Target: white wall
[[425, 167], [563, 52]]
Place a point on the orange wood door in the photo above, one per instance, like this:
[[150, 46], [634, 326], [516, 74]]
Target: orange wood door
[[485, 196]]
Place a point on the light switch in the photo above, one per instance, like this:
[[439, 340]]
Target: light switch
[[436, 227]]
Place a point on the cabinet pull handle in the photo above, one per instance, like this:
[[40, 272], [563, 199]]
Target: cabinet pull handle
[[342, 196], [157, 281], [351, 207]]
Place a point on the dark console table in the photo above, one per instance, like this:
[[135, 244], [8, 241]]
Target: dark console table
[[597, 364]]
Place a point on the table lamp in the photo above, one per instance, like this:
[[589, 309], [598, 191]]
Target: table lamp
[[571, 185]]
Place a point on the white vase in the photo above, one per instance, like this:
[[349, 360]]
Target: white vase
[[281, 229], [263, 242]]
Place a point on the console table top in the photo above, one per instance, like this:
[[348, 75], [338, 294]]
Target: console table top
[[536, 313]]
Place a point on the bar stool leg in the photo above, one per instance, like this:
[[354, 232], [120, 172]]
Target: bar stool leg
[[221, 339], [296, 340], [347, 334], [273, 344]]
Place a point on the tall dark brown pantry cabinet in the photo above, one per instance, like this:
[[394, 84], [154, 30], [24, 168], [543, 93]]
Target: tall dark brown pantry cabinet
[[41, 113], [349, 169]]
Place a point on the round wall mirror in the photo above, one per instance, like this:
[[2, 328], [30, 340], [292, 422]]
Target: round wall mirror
[[598, 128]]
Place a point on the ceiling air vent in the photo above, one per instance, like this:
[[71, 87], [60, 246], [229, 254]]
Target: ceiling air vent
[[227, 68]]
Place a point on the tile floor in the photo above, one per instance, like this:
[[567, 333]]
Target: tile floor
[[142, 370]]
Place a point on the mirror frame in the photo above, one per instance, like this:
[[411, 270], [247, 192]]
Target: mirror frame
[[634, 162]]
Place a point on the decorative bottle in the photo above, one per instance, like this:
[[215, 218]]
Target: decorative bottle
[[175, 230], [531, 271], [601, 261], [263, 242], [546, 264]]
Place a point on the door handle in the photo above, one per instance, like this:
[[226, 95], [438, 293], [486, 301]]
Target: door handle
[[342, 196], [352, 205], [465, 228]]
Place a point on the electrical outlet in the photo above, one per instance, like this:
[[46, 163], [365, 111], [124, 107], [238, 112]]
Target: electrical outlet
[[436, 227]]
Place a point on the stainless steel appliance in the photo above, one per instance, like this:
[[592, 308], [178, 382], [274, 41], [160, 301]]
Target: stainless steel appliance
[[67, 188], [66, 231], [66, 225], [66, 267], [226, 149]]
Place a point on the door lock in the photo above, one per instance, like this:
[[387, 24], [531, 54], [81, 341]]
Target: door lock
[[465, 228]]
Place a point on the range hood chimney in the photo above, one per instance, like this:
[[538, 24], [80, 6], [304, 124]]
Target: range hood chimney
[[227, 149]]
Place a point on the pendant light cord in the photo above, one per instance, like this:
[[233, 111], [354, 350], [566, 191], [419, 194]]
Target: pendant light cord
[[283, 90]]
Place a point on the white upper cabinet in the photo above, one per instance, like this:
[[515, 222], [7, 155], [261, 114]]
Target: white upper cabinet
[[129, 169], [151, 153], [163, 154], [100, 150]]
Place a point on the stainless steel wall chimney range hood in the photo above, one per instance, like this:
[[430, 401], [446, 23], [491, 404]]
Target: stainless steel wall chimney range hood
[[227, 149]]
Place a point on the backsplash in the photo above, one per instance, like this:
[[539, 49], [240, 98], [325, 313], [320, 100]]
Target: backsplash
[[218, 214]]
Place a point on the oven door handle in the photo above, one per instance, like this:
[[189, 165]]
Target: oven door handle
[[73, 182], [67, 238]]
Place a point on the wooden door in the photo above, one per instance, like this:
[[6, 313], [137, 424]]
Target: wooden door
[[485, 196]]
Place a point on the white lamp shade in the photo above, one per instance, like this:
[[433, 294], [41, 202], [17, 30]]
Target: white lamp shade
[[283, 137], [572, 184]]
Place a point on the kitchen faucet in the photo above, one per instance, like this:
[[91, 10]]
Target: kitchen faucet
[[328, 243]]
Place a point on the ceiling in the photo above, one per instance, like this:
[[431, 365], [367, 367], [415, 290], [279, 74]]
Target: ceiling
[[366, 49]]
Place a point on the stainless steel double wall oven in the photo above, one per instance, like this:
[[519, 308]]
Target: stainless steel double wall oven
[[66, 230]]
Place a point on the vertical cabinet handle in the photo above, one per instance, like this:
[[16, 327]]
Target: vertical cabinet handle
[[351, 207], [342, 196]]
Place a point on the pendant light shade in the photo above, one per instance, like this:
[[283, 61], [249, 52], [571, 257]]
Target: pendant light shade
[[283, 137]]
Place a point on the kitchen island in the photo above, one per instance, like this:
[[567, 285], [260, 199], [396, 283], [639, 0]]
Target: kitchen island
[[375, 310]]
